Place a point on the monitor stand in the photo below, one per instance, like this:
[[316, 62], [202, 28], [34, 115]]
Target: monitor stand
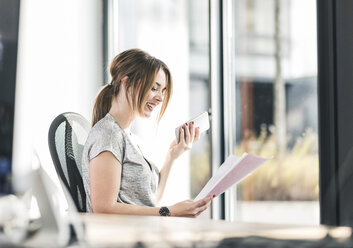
[[55, 228]]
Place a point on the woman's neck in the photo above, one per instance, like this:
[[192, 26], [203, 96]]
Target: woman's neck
[[122, 113]]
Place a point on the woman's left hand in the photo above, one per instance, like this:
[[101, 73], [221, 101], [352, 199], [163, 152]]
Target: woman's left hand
[[188, 134]]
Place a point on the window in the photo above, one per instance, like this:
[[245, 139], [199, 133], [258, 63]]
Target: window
[[276, 110]]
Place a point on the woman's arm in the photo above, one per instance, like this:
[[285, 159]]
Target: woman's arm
[[188, 135], [163, 177], [105, 178]]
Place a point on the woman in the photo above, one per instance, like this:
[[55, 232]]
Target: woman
[[117, 177]]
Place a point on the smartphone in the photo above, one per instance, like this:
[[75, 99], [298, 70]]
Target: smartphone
[[202, 121]]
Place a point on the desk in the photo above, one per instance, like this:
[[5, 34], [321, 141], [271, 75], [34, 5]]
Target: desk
[[127, 231]]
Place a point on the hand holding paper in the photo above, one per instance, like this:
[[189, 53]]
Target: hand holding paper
[[232, 171]]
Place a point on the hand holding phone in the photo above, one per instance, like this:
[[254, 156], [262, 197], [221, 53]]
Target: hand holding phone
[[202, 121]]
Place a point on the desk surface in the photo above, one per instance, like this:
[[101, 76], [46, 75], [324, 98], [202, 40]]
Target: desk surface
[[110, 230]]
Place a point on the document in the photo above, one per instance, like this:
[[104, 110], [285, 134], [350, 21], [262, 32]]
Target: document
[[232, 171]]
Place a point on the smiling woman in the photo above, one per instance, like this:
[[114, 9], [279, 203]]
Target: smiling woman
[[140, 73], [118, 178], [157, 93]]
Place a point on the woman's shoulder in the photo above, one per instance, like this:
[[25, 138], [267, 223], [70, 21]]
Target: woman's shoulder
[[106, 128], [106, 125], [105, 135]]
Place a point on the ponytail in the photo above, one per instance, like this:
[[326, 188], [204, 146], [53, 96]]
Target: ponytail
[[103, 103]]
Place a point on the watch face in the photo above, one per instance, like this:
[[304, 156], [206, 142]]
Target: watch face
[[164, 211]]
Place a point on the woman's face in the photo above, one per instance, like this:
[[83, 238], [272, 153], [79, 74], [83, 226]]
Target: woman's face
[[156, 94]]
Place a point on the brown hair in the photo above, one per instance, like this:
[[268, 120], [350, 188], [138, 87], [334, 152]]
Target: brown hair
[[141, 69]]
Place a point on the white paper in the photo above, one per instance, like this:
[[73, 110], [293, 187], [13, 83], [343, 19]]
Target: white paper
[[232, 171]]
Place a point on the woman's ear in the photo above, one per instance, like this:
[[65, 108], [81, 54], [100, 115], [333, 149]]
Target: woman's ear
[[122, 86], [124, 80]]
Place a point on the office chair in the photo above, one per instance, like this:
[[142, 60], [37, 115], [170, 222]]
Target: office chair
[[67, 135]]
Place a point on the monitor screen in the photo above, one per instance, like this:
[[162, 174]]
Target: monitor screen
[[9, 22]]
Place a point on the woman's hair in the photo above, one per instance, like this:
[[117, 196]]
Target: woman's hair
[[141, 70]]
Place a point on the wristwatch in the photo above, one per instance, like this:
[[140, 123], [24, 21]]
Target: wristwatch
[[164, 211]]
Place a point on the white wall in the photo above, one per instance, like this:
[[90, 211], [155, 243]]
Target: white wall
[[59, 69]]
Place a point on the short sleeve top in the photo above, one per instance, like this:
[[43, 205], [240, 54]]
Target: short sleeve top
[[139, 176]]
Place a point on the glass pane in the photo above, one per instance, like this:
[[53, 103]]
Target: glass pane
[[200, 169], [276, 109], [177, 33]]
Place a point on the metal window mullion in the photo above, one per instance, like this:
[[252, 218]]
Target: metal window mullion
[[216, 94], [229, 97]]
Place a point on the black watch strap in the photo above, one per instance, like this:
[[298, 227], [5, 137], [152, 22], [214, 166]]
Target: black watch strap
[[164, 211]]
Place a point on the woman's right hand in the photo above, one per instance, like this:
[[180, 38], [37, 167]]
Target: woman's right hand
[[190, 208]]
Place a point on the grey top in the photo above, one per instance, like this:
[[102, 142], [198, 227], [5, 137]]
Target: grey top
[[139, 176]]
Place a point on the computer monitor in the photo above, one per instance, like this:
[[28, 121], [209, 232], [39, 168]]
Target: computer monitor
[[9, 23]]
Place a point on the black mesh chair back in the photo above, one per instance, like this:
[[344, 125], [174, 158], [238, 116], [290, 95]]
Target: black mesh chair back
[[67, 136]]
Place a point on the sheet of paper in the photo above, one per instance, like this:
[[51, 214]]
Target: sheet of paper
[[218, 175], [232, 171]]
